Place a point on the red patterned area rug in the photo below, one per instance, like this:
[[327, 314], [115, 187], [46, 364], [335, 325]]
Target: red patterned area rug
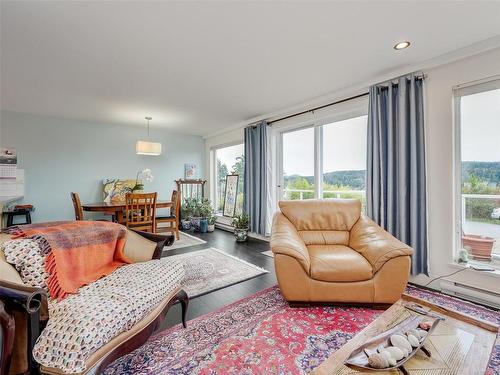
[[261, 334]]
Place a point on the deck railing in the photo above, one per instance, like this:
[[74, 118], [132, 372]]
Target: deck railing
[[329, 193]]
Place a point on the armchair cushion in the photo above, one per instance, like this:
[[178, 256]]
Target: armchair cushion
[[285, 240], [338, 263], [375, 244], [322, 215], [82, 323]]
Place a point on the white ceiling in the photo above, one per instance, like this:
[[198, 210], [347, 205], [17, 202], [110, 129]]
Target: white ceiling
[[198, 67]]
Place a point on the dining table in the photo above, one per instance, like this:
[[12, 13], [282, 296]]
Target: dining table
[[117, 209]]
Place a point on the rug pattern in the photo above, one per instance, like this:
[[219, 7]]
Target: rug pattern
[[211, 269], [263, 335], [185, 240], [258, 335]]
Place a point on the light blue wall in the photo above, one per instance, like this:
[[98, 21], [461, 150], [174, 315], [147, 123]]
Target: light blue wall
[[60, 156]]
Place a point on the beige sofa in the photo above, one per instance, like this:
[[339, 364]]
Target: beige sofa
[[24, 313], [328, 251]]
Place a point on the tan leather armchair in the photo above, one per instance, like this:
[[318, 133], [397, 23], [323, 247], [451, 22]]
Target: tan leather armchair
[[327, 251]]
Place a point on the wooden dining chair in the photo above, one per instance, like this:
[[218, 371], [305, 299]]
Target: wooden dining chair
[[77, 206], [173, 218], [140, 211]]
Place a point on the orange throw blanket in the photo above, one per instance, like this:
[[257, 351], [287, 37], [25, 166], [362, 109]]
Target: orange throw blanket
[[80, 252]]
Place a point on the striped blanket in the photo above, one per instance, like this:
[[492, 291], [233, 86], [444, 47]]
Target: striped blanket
[[79, 252]]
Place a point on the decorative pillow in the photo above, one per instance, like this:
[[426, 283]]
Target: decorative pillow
[[28, 257]]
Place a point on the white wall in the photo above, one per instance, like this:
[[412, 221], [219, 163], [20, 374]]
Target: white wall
[[439, 134], [60, 156], [440, 161]]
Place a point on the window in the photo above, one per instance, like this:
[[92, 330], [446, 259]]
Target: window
[[229, 160], [298, 164], [344, 159], [336, 150], [477, 109]]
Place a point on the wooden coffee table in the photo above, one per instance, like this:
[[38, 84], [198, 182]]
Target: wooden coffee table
[[460, 344]]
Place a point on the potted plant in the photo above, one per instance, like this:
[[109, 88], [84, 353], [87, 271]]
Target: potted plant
[[186, 214], [206, 212], [479, 247], [195, 213], [240, 223], [211, 223]]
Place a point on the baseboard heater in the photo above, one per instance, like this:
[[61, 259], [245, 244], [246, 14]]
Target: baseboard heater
[[472, 294]]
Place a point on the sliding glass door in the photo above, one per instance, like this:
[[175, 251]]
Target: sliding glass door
[[344, 159], [298, 164], [326, 160]]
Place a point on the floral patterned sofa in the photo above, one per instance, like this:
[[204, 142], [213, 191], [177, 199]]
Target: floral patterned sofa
[[84, 332]]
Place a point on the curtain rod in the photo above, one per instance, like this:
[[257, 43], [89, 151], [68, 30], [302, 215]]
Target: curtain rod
[[320, 107], [418, 75]]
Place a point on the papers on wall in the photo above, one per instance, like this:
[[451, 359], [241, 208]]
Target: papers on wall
[[8, 164], [13, 187]]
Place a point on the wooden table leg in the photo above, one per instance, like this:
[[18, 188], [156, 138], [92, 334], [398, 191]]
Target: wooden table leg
[[119, 217]]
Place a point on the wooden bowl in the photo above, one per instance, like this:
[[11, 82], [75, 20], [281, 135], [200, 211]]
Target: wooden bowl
[[358, 359]]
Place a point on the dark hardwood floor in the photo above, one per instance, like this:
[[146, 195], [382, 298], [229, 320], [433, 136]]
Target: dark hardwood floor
[[249, 251]]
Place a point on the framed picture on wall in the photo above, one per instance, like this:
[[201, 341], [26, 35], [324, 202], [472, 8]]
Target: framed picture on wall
[[189, 171], [230, 195]]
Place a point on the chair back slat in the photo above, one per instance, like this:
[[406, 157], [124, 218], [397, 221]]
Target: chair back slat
[[176, 203], [77, 206], [140, 211]]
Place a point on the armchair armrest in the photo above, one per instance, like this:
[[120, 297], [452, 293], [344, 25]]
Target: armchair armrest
[[285, 240], [375, 244]]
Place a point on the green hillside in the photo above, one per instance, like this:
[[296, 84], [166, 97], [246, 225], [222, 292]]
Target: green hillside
[[353, 179], [488, 172]]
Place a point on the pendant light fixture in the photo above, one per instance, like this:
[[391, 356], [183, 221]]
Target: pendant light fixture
[[147, 147]]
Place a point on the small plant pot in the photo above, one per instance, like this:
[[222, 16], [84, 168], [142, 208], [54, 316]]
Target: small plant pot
[[241, 234], [211, 228], [479, 247], [203, 225], [195, 223], [186, 224]]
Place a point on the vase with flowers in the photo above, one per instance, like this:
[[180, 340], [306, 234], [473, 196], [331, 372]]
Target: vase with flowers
[[145, 175]]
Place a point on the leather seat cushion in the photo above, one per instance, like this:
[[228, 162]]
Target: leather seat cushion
[[338, 263]]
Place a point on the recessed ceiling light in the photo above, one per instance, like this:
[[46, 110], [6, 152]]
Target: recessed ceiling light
[[402, 45]]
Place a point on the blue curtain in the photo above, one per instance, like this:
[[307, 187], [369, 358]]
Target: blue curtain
[[396, 180], [255, 192]]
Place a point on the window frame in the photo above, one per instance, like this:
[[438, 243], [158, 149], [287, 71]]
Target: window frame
[[344, 111], [214, 175], [459, 91]]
